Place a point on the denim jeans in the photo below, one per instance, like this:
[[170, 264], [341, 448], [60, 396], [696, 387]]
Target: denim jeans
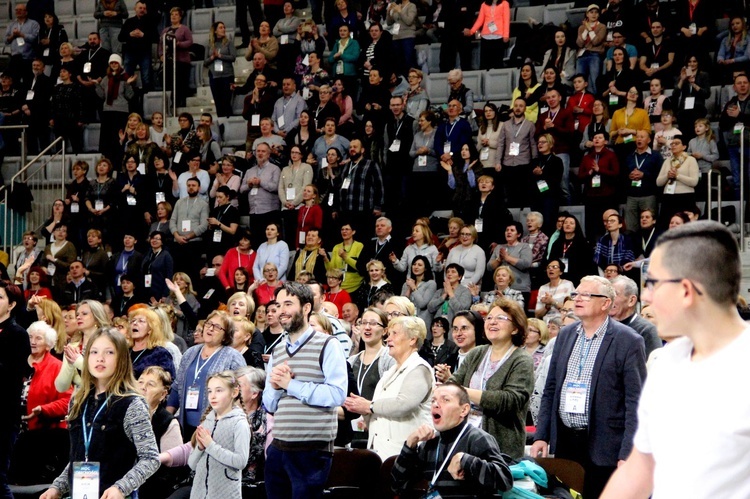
[[109, 35], [296, 474], [132, 61], [589, 65], [734, 161]]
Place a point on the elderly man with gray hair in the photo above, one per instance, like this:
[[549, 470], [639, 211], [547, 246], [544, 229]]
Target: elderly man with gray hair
[[588, 409], [624, 311]]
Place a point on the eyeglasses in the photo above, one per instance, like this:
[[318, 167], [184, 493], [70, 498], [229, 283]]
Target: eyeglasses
[[139, 320], [586, 296], [371, 324], [553, 267], [214, 326], [465, 234], [650, 283], [491, 318], [391, 315]]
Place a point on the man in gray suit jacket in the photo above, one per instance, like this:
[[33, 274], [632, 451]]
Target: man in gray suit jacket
[[597, 370]]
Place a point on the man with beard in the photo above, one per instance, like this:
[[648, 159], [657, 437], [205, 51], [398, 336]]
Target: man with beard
[[362, 195], [35, 109], [92, 67], [188, 223], [515, 150], [305, 384]]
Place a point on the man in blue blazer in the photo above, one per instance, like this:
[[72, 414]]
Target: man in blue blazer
[[589, 408]]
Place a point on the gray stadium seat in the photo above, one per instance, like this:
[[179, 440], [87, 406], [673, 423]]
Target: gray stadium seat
[[91, 138], [201, 19], [227, 15], [235, 130], [499, 84]]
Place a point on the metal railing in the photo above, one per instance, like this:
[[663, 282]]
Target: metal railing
[[164, 76], [46, 193], [709, 198]]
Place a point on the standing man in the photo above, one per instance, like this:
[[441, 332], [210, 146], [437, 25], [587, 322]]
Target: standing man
[[598, 172], [305, 384], [91, 69], [588, 410], [624, 311], [452, 134], [380, 248], [643, 167], [338, 329], [658, 55], [287, 109], [22, 36], [261, 182], [560, 123], [734, 116], [361, 197], [399, 135], [188, 223], [515, 150], [35, 111], [688, 383], [138, 36]]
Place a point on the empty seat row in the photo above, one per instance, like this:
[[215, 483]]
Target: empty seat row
[[494, 85]]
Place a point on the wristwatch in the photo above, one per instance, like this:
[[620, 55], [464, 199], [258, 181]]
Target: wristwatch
[[372, 407]]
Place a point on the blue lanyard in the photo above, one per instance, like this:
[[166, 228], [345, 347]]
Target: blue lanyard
[[87, 434], [582, 361]]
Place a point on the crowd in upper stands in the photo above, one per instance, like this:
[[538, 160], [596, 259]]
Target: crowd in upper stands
[[343, 186]]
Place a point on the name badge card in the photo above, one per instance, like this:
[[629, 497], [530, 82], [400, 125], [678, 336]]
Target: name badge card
[[147, 280], [575, 398], [185, 224], [192, 398], [596, 181], [85, 480], [217, 236], [515, 149]]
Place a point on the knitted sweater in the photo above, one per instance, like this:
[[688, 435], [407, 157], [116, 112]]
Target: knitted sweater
[[218, 468]]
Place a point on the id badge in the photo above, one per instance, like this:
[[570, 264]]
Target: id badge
[[515, 149], [693, 28], [324, 162], [254, 191], [147, 280], [484, 154], [432, 494], [330, 199], [346, 183], [255, 120], [340, 68], [177, 156], [218, 66], [422, 160], [447, 148], [210, 272], [21, 42], [98, 204], [441, 24], [217, 236], [210, 291], [29, 95], [75, 208], [160, 197], [596, 181], [51, 269], [542, 185], [306, 60], [131, 200], [628, 139], [670, 188], [281, 121], [479, 224], [192, 398], [85, 480], [654, 65], [301, 237], [575, 124], [395, 146], [543, 110], [86, 67], [142, 168], [738, 128], [689, 102], [395, 29], [185, 224], [492, 27], [306, 93], [284, 39], [564, 262], [291, 192], [636, 183], [46, 52], [575, 398], [614, 99]]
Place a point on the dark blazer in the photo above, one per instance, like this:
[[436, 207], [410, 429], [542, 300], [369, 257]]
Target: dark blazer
[[616, 382], [86, 291], [160, 268]]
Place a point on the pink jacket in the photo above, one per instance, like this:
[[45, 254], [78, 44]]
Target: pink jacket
[[501, 20]]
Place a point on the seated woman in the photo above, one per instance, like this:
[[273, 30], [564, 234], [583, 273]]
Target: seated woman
[[551, 295], [439, 349], [537, 337], [377, 282], [470, 256], [400, 403], [147, 341], [467, 332], [422, 246], [503, 278], [516, 256], [500, 378]]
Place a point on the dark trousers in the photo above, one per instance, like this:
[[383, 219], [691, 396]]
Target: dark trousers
[[8, 435], [183, 81], [516, 181], [451, 46], [222, 95], [289, 226], [187, 257], [256, 16], [574, 445], [296, 474], [109, 138], [491, 53]]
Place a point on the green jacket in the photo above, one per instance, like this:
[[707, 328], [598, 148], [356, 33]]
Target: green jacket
[[505, 400]]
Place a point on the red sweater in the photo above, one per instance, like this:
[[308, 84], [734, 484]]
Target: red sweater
[[233, 259], [42, 393], [585, 102], [609, 168], [308, 218], [562, 132]]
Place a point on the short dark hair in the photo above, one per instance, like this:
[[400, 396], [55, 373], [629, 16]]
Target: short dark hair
[[476, 320], [193, 179], [15, 295], [518, 225], [380, 296], [463, 395], [301, 291], [708, 254], [459, 268]]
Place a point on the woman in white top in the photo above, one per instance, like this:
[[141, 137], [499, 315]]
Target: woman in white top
[[679, 175], [273, 250], [470, 256], [552, 295], [400, 403], [422, 245]]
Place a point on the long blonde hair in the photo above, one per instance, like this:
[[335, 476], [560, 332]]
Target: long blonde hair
[[53, 316], [122, 383]]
